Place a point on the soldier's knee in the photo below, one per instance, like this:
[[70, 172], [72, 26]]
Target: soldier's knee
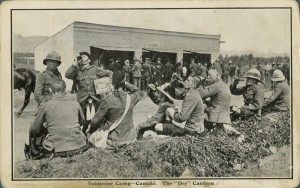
[[158, 127]]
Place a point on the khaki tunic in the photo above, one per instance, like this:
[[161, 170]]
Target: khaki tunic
[[85, 79], [43, 83], [63, 117], [219, 109], [192, 111], [111, 109], [253, 98], [280, 97]]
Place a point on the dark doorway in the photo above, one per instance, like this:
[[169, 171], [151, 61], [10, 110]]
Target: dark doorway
[[165, 56], [199, 58], [102, 56]]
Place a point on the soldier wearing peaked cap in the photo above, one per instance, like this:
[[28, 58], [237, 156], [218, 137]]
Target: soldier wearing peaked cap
[[85, 74], [42, 91]]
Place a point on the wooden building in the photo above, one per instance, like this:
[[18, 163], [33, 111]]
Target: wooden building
[[105, 42]]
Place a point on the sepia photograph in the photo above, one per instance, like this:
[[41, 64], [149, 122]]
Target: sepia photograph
[[152, 96]]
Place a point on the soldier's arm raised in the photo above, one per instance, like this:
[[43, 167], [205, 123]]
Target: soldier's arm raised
[[236, 91], [71, 73]]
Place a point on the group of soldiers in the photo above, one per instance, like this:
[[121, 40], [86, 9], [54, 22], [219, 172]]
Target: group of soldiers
[[186, 105], [142, 73]]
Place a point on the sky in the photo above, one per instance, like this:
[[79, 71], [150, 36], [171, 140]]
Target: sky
[[262, 31]]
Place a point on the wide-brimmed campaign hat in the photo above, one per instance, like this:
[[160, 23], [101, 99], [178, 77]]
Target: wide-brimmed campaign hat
[[277, 76]]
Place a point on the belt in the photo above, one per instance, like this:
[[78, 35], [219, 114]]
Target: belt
[[71, 152]]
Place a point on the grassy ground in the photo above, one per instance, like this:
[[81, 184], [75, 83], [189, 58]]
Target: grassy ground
[[145, 158]]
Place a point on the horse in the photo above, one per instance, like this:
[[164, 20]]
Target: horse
[[24, 78]]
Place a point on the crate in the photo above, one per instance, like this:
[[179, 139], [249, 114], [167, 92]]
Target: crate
[[103, 85]]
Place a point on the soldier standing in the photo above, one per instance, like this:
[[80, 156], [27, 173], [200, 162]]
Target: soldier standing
[[127, 70], [267, 73], [225, 72], [286, 71], [179, 70], [146, 75], [261, 70], [193, 68], [137, 73], [232, 71], [85, 74], [157, 72], [203, 70], [42, 92], [271, 73], [168, 71]]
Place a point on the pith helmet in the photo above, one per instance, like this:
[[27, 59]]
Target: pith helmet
[[253, 73], [277, 76], [52, 56]]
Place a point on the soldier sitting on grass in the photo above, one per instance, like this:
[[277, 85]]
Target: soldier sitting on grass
[[190, 118], [253, 94], [280, 98], [56, 130]]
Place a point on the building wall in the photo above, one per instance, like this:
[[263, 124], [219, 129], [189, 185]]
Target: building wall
[[78, 37], [134, 39], [63, 44]]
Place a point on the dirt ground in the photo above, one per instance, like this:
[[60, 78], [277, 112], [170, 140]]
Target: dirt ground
[[276, 165]]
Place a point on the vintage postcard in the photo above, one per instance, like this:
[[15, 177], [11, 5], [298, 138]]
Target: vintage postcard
[[148, 94]]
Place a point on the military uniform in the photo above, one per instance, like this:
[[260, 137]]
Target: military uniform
[[127, 71], [111, 109], [253, 98], [63, 117], [146, 75], [44, 79], [137, 74], [193, 69], [218, 110], [168, 71], [85, 79], [157, 73], [192, 112], [86, 88], [280, 98], [225, 71]]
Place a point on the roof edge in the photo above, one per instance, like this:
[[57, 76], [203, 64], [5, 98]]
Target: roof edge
[[78, 23]]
